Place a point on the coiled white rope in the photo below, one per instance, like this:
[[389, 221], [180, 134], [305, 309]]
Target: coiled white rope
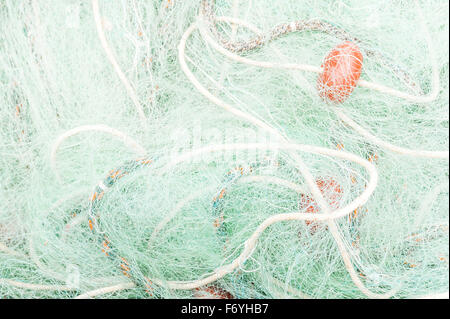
[[327, 215]]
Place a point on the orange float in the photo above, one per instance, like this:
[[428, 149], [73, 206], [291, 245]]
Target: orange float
[[341, 71]]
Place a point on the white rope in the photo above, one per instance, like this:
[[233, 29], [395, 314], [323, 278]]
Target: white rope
[[131, 143], [25, 285], [105, 290], [190, 198], [386, 145], [5, 249], [251, 242], [114, 63]]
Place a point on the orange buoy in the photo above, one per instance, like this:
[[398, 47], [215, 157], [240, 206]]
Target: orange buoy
[[331, 191], [341, 71], [212, 292]]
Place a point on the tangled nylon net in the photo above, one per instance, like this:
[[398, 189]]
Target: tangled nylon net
[[283, 195]]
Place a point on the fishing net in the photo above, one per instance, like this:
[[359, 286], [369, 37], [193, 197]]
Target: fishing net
[[196, 149]]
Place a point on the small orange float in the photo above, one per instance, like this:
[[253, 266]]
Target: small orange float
[[341, 71]]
